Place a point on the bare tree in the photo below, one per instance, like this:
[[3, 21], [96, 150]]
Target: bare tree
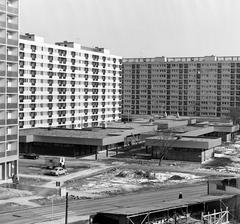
[[234, 114], [164, 142]]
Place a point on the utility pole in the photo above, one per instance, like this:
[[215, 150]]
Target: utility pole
[[66, 211], [52, 210]]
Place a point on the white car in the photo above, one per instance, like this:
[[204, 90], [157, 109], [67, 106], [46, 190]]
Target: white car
[[58, 171]]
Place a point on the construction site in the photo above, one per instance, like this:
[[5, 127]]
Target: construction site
[[220, 205], [115, 173], [204, 210]]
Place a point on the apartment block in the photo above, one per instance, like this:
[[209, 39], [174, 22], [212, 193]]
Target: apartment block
[[8, 89], [67, 85], [189, 86]]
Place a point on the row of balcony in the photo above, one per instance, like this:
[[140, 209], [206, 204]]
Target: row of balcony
[[13, 42], [8, 138], [13, 26], [8, 121], [62, 60], [12, 8], [9, 57], [9, 90], [62, 114], [8, 105], [8, 153]]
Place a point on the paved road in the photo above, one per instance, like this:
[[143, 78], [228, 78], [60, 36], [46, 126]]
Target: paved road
[[87, 207]]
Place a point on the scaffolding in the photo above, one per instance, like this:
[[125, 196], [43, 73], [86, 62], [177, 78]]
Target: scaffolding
[[217, 217]]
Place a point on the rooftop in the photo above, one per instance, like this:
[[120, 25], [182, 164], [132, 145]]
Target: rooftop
[[184, 139], [167, 205], [68, 44], [96, 133], [113, 129], [162, 59], [130, 125], [179, 130], [184, 129]]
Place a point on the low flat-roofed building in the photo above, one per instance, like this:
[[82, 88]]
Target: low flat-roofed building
[[76, 142], [185, 148], [170, 123], [191, 142]]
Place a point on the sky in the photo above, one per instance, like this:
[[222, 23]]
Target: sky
[[138, 28]]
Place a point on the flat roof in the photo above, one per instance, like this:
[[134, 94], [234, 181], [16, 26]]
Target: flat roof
[[70, 133], [113, 129], [131, 125], [193, 139], [198, 139], [183, 129], [179, 129], [166, 205]]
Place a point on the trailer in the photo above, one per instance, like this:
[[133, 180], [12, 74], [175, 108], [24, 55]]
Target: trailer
[[52, 162]]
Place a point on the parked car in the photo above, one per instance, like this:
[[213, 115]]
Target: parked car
[[30, 156], [57, 171]]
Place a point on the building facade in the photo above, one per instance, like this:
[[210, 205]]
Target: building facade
[[8, 89], [67, 85], [190, 86]]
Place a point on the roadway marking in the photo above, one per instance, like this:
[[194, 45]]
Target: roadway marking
[[58, 215], [16, 215]]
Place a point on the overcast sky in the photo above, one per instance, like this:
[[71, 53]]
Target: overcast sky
[[138, 28]]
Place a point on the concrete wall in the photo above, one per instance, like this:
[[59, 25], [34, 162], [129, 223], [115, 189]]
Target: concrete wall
[[112, 140], [179, 154], [224, 186], [184, 154], [191, 143], [226, 128], [165, 124], [207, 154], [199, 132], [63, 140], [56, 149]]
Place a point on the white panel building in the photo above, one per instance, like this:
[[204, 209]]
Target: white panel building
[[189, 86], [67, 85], [8, 89]]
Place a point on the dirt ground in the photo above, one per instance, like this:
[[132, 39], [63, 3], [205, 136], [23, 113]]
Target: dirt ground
[[116, 175], [122, 180], [226, 159]]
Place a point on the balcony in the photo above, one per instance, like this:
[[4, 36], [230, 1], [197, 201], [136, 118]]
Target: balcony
[[12, 9], [2, 154], [12, 74], [12, 89], [2, 138], [2, 57], [12, 42], [11, 137], [2, 89], [12, 58], [3, 24], [12, 153], [12, 121], [2, 7], [2, 40], [12, 105], [12, 26], [2, 105]]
